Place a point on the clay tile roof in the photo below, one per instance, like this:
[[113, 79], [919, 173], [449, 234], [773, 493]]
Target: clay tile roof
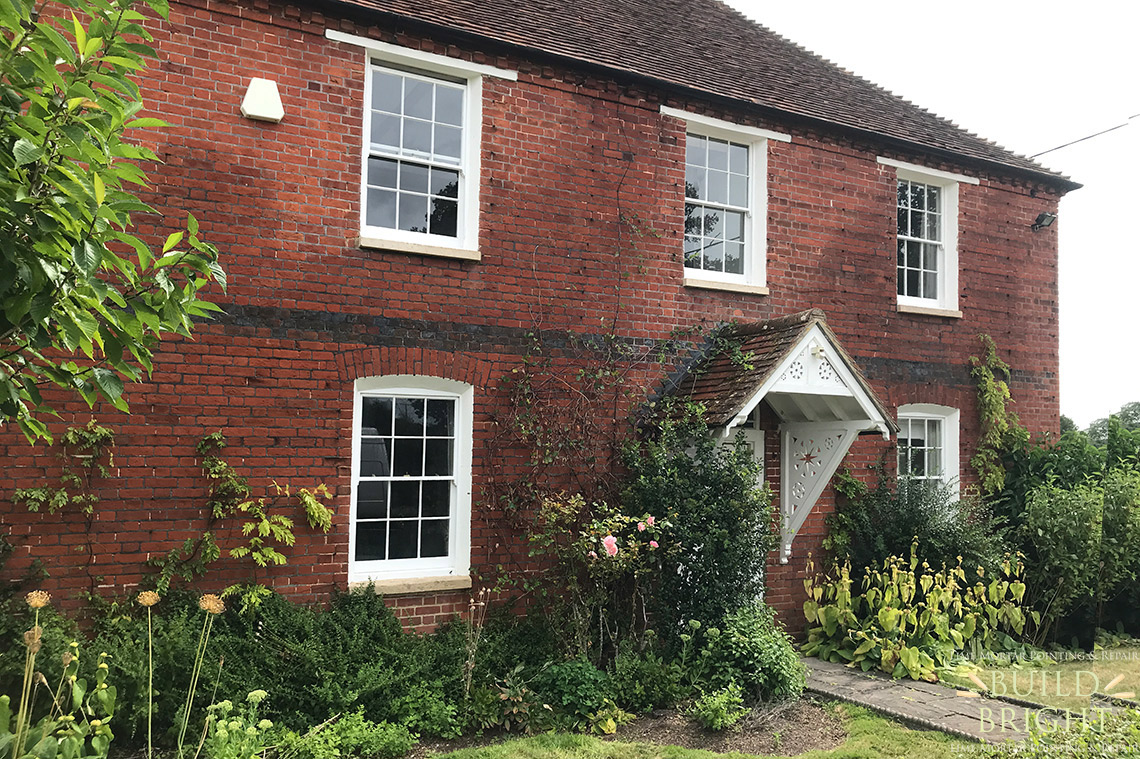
[[705, 46], [723, 385]]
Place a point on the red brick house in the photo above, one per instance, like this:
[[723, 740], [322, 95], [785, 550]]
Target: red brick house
[[404, 192]]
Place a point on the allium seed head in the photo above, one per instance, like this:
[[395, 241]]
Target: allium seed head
[[38, 599], [148, 598], [211, 604]]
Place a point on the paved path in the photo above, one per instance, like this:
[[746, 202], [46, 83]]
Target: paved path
[[937, 707]]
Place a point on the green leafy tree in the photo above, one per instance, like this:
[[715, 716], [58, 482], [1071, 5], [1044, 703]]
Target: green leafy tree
[[1128, 416], [83, 301]]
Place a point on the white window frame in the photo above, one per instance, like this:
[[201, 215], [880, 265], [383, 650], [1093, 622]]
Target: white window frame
[[432, 66], [950, 419], [946, 302], [458, 561], [755, 276]]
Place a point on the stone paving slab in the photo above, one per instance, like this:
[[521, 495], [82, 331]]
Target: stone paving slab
[[928, 705]]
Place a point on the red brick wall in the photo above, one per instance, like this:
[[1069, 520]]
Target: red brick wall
[[568, 159]]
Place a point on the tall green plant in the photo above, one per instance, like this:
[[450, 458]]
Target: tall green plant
[[1001, 430], [723, 525], [83, 301]]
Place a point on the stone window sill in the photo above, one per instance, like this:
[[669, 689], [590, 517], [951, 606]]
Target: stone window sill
[[950, 313], [405, 585], [419, 248], [734, 287]]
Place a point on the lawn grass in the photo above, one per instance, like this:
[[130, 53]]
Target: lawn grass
[[1066, 684], [869, 737]]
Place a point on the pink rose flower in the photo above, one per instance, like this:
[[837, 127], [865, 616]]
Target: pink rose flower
[[650, 520], [653, 544], [641, 526], [610, 542], [593, 554]]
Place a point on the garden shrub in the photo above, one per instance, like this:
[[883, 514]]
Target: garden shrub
[[754, 653], [722, 523], [642, 679], [574, 690], [871, 524], [316, 663], [350, 736], [1083, 543], [911, 619], [719, 709]]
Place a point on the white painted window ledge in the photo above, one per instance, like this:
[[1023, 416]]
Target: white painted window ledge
[[419, 248], [950, 313], [406, 585], [734, 287]]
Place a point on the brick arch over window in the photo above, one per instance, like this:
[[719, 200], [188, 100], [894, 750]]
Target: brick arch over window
[[386, 361]]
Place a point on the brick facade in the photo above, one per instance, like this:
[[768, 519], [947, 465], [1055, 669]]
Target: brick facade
[[580, 226]]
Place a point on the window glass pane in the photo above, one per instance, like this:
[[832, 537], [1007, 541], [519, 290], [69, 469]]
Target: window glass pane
[[418, 98], [718, 186], [914, 255], [445, 183], [405, 501], [448, 105], [718, 155], [933, 462], [375, 416], [444, 218], [382, 172], [917, 196], [933, 198], [386, 91], [413, 177], [929, 257], [929, 285], [448, 143], [737, 190], [371, 538], [372, 500], [381, 209], [692, 251], [375, 457], [904, 193], [714, 256], [734, 226], [695, 184], [933, 226], [917, 461], [403, 539], [410, 417], [385, 131], [696, 150], [734, 257], [917, 224], [904, 222], [408, 457], [433, 537], [437, 498], [413, 215], [738, 158], [912, 280], [437, 457], [713, 226], [902, 252], [440, 418], [417, 138]]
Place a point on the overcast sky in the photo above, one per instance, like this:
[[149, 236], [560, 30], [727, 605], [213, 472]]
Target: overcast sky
[[1029, 76]]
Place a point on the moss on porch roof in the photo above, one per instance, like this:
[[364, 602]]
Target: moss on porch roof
[[723, 383]]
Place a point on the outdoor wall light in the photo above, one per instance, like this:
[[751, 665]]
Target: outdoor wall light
[[1044, 219]]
